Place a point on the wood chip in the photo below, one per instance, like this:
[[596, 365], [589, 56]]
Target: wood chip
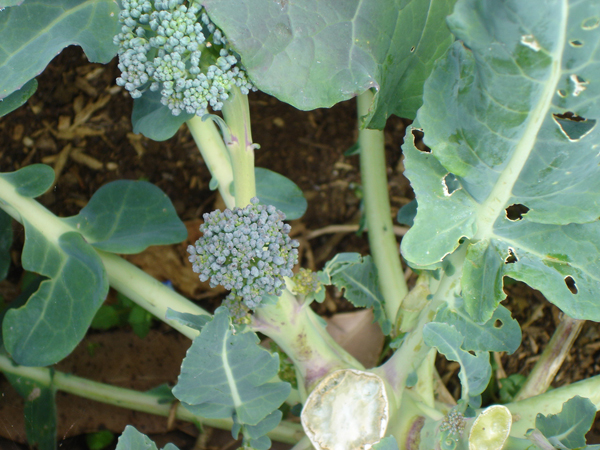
[[61, 160], [17, 133], [81, 158], [64, 123], [136, 142], [83, 85]]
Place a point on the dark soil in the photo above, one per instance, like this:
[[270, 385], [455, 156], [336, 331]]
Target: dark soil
[[79, 123]]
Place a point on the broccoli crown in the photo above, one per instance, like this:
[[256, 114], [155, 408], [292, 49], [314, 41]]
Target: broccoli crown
[[173, 46], [307, 281], [246, 250]]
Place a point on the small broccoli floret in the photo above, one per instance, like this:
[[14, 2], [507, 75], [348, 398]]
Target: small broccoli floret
[[172, 46], [238, 311], [307, 281], [248, 251]]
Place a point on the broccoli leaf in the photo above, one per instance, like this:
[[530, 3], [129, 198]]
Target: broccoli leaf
[[226, 374], [35, 32], [39, 411], [569, 427], [7, 3], [314, 55], [387, 443], [132, 439], [475, 370], [509, 115], [357, 275], [55, 318], [281, 192], [31, 181], [127, 216], [153, 119], [18, 98], [501, 333]]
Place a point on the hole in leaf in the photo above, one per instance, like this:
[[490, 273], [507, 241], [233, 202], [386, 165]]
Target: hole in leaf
[[512, 257], [498, 324], [576, 43], [529, 40], [516, 212], [418, 136], [590, 23], [562, 93], [570, 282], [580, 84], [412, 49], [472, 352], [451, 184], [573, 126]]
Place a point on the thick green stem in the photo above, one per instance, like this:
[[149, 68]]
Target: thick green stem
[[413, 350], [140, 287], [236, 112], [525, 411], [551, 359], [296, 328], [215, 155], [382, 240], [130, 399]]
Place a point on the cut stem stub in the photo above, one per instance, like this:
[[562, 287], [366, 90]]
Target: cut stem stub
[[348, 409]]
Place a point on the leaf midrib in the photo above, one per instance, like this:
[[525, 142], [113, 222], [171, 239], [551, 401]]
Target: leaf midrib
[[501, 193]]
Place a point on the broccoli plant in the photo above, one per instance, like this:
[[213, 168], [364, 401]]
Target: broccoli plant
[[506, 185]]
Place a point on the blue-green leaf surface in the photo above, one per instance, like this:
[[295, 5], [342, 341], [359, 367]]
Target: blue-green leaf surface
[[281, 192], [6, 238], [6, 3], [255, 436], [475, 370], [569, 427], [357, 276], [56, 317], [153, 119], [387, 443], [194, 321], [39, 411], [315, 54], [31, 181], [127, 216], [226, 373], [18, 98], [132, 439], [509, 115], [35, 32], [501, 333]]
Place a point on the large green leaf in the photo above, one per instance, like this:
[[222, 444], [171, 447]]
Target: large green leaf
[[275, 189], [39, 410], [510, 115], [56, 317], [127, 216], [227, 374], [36, 31], [315, 54], [568, 428]]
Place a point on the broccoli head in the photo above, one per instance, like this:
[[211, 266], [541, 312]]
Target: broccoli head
[[246, 250], [172, 46]]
